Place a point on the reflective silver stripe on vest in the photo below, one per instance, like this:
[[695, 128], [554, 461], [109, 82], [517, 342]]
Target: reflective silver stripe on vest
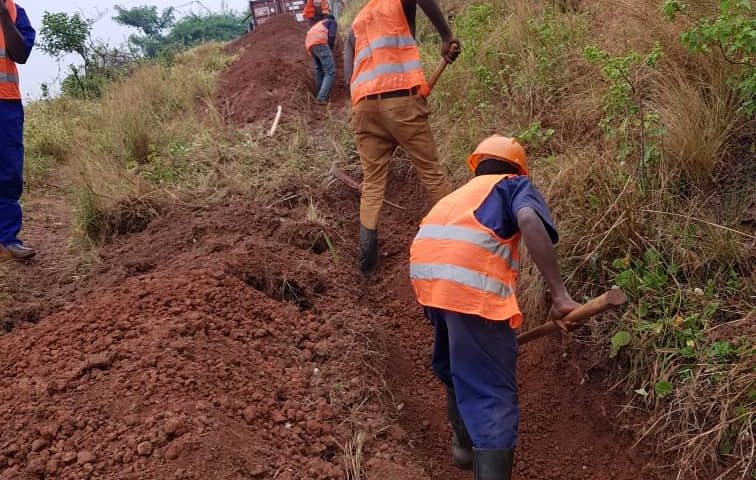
[[461, 275], [2, 53], [387, 68], [469, 235], [383, 42], [8, 78]]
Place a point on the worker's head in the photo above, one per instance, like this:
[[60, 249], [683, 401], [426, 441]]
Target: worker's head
[[498, 155]]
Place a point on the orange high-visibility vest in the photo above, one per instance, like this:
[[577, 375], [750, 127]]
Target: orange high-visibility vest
[[9, 89], [386, 57], [458, 264], [317, 35], [309, 9]]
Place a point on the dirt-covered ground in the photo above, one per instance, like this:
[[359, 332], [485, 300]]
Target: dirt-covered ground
[[237, 341], [230, 342]]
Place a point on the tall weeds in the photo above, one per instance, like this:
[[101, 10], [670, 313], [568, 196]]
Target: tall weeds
[[645, 157]]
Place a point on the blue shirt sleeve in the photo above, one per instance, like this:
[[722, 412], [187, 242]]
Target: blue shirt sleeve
[[25, 29], [499, 211]]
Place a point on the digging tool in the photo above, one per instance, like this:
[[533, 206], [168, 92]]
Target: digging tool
[[352, 183], [437, 74], [576, 318]]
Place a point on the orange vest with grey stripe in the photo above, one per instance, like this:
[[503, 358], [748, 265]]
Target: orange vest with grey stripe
[[9, 89], [317, 35], [386, 57], [458, 264], [310, 10]]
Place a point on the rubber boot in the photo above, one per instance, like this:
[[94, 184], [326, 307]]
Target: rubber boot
[[461, 444], [368, 250], [493, 464]]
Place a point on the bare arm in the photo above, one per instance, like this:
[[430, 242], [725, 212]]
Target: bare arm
[[433, 11], [14, 42], [349, 58], [542, 250]]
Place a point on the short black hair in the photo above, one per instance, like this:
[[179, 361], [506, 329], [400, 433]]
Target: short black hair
[[493, 166]]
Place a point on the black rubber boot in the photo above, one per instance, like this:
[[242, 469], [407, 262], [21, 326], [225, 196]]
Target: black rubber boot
[[493, 464], [368, 250], [461, 444]]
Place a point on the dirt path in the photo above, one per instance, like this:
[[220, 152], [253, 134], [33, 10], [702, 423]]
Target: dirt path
[[565, 432], [32, 289]]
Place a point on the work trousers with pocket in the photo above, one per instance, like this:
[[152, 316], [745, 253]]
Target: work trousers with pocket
[[380, 126], [477, 358], [325, 71], [11, 169]]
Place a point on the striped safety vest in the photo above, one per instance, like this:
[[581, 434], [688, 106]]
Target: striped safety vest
[[310, 10], [386, 57], [458, 264], [317, 35], [9, 89]]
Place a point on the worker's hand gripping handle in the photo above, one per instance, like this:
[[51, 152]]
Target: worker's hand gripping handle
[[436, 75], [577, 317]]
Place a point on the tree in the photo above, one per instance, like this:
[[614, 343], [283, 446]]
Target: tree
[[150, 24], [196, 29], [64, 34]]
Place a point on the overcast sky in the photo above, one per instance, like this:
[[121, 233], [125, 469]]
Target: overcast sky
[[43, 69]]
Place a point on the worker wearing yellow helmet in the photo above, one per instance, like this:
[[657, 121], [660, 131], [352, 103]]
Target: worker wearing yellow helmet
[[464, 263]]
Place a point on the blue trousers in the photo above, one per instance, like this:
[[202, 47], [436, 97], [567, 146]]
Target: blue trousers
[[325, 70], [11, 169], [477, 358]]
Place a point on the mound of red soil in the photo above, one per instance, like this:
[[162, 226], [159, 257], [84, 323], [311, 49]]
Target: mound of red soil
[[273, 69], [211, 349], [230, 343]]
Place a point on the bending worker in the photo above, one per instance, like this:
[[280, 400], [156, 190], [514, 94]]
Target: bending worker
[[319, 43], [383, 62], [16, 42], [463, 266]]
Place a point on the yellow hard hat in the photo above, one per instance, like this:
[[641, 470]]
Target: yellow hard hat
[[501, 148]]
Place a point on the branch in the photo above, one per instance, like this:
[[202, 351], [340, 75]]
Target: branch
[[734, 62]]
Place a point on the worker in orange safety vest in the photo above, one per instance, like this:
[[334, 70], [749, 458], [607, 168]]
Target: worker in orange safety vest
[[16, 41], [314, 11], [319, 43], [387, 84], [463, 266]]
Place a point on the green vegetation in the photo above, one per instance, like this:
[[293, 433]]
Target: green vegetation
[[160, 33], [160, 37], [642, 140], [640, 132]]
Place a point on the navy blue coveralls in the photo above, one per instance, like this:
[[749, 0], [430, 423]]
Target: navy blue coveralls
[[477, 357], [12, 149]]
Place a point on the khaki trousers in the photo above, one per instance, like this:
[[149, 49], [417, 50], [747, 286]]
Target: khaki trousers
[[381, 125]]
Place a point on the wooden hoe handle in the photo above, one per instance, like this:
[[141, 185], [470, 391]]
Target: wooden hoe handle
[[577, 317], [439, 70]]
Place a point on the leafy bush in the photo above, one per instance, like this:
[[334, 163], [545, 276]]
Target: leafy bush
[[731, 33]]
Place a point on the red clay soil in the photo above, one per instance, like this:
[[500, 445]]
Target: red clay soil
[[219, 344], [210, 349], [273, 69]]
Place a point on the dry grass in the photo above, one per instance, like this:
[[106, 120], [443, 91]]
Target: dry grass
[[522, 63]]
